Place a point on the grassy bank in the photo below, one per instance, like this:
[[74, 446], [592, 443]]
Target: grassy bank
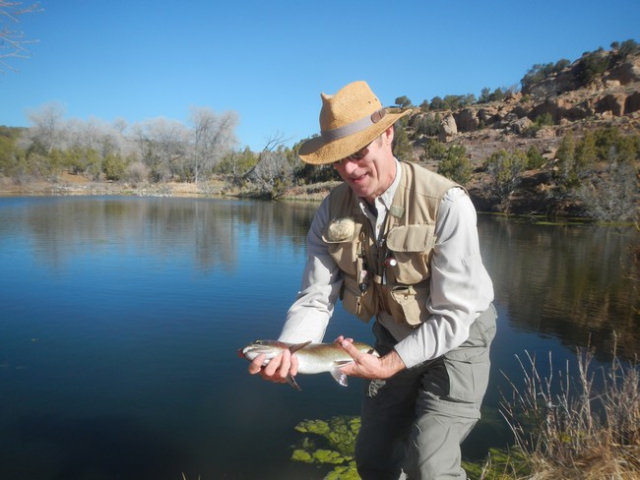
[[564, 428], [582, 425]]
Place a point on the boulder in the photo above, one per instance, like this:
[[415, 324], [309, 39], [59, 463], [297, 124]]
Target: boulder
[[467, 120], [521, 125], [448, 129], [613, 103], [632, 103], [626, 73], [488, 115], [547, 107]]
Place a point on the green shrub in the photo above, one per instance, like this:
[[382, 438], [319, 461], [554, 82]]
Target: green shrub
[[114, 167], [591, 66], [434, 149], [428, 125], [456, 165], [402, 148], [506, 170], [534, 158], [612, 146]]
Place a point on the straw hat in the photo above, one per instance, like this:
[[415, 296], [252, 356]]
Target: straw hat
[[349, 121]]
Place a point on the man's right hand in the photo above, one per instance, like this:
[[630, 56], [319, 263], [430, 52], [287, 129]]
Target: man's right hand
[[277, 369]]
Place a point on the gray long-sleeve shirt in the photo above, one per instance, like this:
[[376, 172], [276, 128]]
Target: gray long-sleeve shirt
[[460, 285]]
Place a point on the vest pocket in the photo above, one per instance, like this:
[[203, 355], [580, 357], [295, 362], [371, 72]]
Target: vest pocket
[[358, 303], [406, 304], [411, 246]]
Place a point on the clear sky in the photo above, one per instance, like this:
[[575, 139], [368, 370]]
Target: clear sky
[[269, 60]]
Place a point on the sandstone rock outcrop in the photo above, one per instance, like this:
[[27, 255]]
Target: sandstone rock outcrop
[[616, 93]]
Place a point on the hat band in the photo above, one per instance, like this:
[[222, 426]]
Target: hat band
[[354, 127]]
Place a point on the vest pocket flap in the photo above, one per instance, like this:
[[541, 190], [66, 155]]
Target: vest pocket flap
[[339, 230], [411, 238]]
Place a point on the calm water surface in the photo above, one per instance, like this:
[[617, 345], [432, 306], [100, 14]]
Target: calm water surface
[[120, 319]]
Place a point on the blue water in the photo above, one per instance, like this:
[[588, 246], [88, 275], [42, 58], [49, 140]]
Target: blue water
[[120, 319]]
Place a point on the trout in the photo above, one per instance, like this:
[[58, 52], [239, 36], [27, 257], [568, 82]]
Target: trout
[[312, 357]]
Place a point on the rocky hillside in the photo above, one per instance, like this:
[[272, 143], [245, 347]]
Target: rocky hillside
[[577, 98]]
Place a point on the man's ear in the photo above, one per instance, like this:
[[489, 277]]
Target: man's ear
[[388, 135]]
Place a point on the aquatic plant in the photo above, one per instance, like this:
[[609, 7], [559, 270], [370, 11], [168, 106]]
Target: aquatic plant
[[330, 442]]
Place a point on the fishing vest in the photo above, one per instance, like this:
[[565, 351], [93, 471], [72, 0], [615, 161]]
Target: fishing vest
[[389, 273]]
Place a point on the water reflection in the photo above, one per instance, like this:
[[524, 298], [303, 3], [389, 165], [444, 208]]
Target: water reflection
[[208, 230], [572, 282]]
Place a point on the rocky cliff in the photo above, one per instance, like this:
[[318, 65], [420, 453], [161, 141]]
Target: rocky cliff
[[573, 99]]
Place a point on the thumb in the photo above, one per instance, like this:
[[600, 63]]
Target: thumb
[[350, 348]]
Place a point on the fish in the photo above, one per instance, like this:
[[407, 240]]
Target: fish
[[312, 357]]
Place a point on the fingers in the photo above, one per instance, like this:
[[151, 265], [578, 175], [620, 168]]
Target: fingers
[[256, 365], [277, 369], [347, 344], [341, 340]]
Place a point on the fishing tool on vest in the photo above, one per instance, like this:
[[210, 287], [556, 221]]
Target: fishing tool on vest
[[362, 268]]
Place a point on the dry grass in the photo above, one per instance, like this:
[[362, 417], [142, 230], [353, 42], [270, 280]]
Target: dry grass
[[567, 430]]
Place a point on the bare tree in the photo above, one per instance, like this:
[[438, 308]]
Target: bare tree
[[47, 125], [12, 41], [272, 167], [163, 147], [213, 136]]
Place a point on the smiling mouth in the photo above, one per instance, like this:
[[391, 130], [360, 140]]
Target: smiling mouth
[[358, 179]]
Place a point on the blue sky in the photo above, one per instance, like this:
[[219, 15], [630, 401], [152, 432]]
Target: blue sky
[[269, 60]]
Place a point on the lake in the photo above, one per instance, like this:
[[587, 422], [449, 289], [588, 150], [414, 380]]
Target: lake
[[120, 319]]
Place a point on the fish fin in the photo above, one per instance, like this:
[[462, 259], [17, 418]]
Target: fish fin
[[342, 363], [292, 381], [340, 377], [293, 349], [298, 346]]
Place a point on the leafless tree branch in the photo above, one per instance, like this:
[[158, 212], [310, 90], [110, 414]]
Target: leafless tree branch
[[12, 41]]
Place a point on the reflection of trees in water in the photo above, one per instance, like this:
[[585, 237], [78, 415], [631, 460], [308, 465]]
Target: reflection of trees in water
[[573, 282], [570, 282], [208, 230]]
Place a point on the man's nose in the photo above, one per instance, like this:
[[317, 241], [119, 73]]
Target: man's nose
[[349, 166]]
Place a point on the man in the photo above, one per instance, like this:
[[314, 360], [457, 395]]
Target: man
[[397, 243]]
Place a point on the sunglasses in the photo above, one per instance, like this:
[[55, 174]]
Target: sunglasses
[[359, 155]]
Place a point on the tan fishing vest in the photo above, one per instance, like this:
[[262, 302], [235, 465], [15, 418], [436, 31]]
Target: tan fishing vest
[[391, 273]]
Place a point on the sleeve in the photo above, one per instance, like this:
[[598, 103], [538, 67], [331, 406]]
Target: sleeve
[[460, 285], [309, 315]]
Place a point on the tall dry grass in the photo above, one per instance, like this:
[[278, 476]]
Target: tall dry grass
[[566, 427]]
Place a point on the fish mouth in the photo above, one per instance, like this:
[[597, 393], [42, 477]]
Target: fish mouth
[[253, 351]]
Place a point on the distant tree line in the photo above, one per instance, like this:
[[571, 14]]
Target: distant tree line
[[155, 150]]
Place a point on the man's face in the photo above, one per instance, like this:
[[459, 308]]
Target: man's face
[[370, 171]]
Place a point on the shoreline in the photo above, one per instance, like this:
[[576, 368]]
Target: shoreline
[[75, 185]]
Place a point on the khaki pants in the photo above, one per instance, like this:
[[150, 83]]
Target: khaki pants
[[416, 420]]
